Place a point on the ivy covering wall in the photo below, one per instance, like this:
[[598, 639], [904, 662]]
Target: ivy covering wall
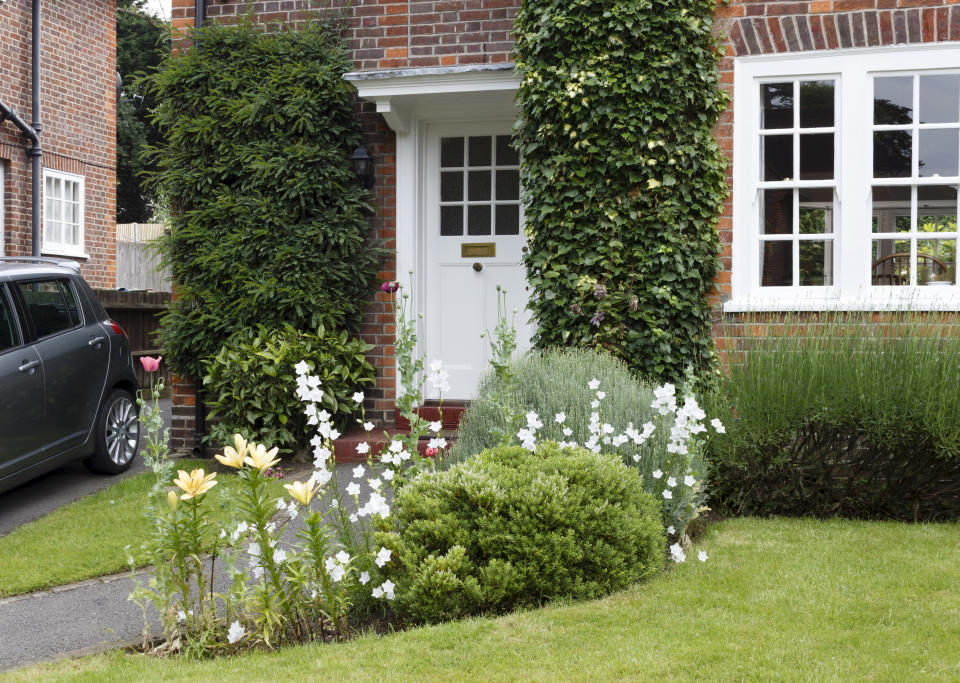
[[624, 180], [269, 220]]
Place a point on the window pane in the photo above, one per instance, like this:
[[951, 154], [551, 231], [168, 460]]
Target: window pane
[[76, 192], [777, 157], [506, 154], [478, 186], [938, 153], [891, 263], [940, 99], [67, 291], [451, 221], [816, 263], [777, 212], [507, 219], [816, 104], [893, 100], [451, 152], [937, 208], [816, 157], [936, 262], [451, 186], [777, 105], [508, 185], [890, 206], [8, 328], [46, 306], [776, 264], [480, 151], [891, 154], [816, 211], [478, 220]]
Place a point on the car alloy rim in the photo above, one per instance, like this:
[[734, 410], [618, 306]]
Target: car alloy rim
[[123, 430]]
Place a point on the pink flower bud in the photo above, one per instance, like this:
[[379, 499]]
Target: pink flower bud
[[150, 364], [390, 286]]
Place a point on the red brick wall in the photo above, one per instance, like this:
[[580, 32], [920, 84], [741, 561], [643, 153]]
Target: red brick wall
[[757, 27], [78, 113]]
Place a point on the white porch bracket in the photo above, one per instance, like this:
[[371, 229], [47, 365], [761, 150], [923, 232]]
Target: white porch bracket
[[397, 116]]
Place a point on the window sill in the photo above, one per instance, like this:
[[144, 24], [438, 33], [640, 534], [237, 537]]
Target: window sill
[[64, 251], [904, 299]]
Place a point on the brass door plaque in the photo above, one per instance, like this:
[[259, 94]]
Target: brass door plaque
[[478, 249]]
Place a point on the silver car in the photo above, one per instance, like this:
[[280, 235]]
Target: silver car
[[67, 382]]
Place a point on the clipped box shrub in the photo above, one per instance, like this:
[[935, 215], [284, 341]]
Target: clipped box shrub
[[511, 528], [252, 383], [849, 416]]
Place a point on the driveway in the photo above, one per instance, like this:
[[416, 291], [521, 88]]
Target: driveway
[[59, 487]]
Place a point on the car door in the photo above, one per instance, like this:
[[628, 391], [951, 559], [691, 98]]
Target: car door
[[75, 354], [21, 396]]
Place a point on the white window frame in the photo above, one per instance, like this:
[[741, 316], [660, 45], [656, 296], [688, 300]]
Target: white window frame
[[64, 248], [853, 72]]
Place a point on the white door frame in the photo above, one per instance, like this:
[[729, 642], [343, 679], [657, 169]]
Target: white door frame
[[410, 100]]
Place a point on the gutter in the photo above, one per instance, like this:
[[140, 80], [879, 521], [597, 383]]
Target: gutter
[[35, 151]]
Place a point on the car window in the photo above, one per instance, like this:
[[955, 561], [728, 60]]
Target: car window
[[47, 303], [8, 327]]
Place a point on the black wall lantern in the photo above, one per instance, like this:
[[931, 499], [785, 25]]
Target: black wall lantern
[[362, 164]]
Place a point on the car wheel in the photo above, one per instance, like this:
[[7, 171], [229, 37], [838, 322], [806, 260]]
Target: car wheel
[[117, 434]]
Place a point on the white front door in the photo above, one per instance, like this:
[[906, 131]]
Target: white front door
[[474, 242]]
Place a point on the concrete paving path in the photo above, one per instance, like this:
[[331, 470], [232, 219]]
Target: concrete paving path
[[85, 617]]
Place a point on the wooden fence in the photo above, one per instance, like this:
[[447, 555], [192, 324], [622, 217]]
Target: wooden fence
[[138, 264], [138, 314]]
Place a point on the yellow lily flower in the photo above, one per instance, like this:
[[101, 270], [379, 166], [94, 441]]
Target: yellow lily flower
[[173, 500], [195, 483], [233, 457], [302, 491], [260, 458]]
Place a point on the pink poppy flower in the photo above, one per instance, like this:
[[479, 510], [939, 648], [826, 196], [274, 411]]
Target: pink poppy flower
[[150, 364]]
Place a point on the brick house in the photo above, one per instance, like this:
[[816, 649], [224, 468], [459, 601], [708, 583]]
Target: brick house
[[843, 135], [78, 133]]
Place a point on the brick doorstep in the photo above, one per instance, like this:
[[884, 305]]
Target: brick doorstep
[[346, 446]]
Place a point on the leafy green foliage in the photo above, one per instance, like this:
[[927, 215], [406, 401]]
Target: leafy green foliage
[[855, 418], [624, 179], [510, 528], [252, 380], [142, 44], [269, 223]]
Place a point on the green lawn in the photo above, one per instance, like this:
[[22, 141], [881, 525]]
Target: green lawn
[[87, 537], [778, 600]]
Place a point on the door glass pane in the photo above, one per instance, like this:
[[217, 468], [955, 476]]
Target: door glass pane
[[776, 264], [816, 104], [891, 263], [451, 152], [46, 307], [478, 186], [506, 154], [508, 185], [938, 153], [816, 263], [893, 100], [816, 210], [507, 221], [451, 221], [816, 157], [936, 262], [777, 105], [937, 208], [451, 186], [891, 154], [940, 99], [478, 220], [777, 157], [480, 151], [777, 212], [67, 291]]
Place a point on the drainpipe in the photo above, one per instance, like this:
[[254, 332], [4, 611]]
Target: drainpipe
[[36, 151], [200, 411]]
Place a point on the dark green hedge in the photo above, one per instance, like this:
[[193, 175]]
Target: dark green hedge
[[269, 220], [623, 177]]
